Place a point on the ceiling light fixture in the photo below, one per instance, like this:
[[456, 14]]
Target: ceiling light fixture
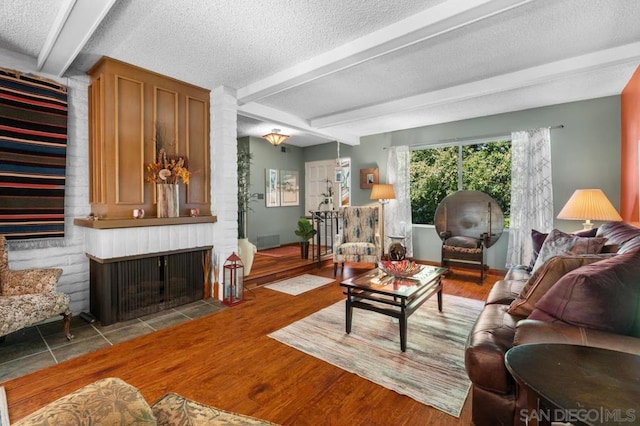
[[275, 138]]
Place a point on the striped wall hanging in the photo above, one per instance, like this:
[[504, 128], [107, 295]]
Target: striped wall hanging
[[33, 150]]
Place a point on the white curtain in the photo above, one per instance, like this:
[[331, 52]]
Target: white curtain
[[397, 218], [531, 192]]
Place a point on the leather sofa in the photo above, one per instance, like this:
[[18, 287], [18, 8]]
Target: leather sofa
[[496, 397]]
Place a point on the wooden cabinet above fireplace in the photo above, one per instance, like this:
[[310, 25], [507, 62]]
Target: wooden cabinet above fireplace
[[130, 110]]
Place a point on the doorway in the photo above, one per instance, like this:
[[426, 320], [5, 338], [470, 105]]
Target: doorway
[[319, 176]]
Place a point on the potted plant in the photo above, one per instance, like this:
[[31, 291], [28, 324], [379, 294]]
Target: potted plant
[[305, 231], [327, 203], [246, 250]]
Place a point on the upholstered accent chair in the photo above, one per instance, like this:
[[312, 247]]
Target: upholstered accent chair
[[112, 401], [29, 296], [359, 241]]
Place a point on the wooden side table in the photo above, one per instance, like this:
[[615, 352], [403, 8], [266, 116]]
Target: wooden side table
[[577, 384]]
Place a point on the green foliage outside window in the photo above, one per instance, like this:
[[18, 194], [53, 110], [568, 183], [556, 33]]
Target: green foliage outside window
[[486, 167]]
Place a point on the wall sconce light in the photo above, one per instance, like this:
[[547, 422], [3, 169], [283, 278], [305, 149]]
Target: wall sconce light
[[275, 138]]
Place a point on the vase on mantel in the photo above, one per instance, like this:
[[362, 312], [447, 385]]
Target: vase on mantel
[[167, 196]]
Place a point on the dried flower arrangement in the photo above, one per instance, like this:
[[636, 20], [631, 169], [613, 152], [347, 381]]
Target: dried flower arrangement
[[168, 169]]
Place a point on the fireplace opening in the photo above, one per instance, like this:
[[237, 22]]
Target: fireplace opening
[[136, 286]]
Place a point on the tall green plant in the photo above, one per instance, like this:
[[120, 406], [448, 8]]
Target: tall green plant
[[244, 190]]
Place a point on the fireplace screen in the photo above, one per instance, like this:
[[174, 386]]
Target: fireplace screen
[[131, 288]]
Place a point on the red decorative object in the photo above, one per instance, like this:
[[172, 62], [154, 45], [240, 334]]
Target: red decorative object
[[233, 280]]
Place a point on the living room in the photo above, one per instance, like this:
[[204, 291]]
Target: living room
[[596, 147]]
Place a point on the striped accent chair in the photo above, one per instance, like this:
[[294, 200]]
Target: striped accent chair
[[359, 240]]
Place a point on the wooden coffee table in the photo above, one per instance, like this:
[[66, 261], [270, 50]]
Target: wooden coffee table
[[396, 297]]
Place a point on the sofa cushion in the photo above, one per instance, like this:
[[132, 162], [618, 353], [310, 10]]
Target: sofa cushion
[[173, 409], [505, 291], [544, 278], [558, 242], [108, 401], [603, 295], [629, 245], [518, 273], [490, 338], [463, 242], [617, 233], [17, 312]]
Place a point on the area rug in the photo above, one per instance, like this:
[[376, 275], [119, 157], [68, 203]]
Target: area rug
[[299, 284], [431, 371]]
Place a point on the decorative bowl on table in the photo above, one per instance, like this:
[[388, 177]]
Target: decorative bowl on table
[[399, 268]]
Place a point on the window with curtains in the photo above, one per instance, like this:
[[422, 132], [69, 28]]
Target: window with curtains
[[438, 171]]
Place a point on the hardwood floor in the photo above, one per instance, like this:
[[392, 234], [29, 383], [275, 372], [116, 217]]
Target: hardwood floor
[[227, 360]]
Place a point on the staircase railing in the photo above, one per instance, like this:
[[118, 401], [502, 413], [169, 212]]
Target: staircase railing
[[327, 224]]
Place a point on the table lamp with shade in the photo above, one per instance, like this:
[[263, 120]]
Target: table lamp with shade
[[383, 192], [588, 205]]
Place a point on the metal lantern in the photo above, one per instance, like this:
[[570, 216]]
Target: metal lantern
[[233, 280]]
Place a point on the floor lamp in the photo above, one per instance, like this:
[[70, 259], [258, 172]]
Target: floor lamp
[[382, 192]]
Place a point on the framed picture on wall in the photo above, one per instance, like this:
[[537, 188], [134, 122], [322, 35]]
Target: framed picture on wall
[[289, 188], [368, 177], [272, 193]]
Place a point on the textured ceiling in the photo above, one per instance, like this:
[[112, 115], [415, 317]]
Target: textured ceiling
[[323, 70]]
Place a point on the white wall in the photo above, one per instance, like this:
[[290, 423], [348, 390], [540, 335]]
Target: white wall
[[71, 255]]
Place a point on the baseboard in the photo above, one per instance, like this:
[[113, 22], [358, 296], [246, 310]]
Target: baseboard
[[498, 272]]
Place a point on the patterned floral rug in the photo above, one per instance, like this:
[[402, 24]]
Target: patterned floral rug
[[431, 371], [299, 284]]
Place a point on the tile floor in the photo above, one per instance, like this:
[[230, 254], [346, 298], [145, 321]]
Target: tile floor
[[44, 345]]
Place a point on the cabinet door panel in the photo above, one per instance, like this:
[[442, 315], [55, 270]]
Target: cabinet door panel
[[166, 120], [128, 107], [96, 143], [129, 141], [197, 145]]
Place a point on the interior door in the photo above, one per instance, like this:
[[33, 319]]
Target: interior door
[[317, 175]]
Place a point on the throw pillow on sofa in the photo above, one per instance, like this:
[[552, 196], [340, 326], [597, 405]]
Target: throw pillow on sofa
[[601, 296], [537, 240], [558, 242], [544, 278]]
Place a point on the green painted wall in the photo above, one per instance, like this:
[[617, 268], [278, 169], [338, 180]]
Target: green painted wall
[[263, 221], [585, 154]]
